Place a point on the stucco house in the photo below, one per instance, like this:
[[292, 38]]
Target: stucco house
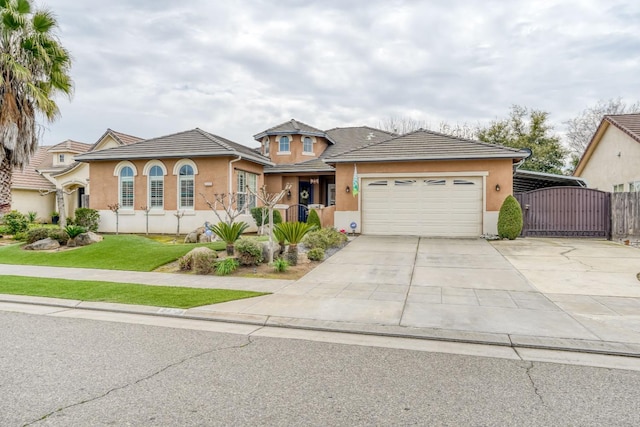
[[54, 167], [421, 183], [612, 158]]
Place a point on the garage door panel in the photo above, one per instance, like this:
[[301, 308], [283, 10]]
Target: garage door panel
[[448, 206]]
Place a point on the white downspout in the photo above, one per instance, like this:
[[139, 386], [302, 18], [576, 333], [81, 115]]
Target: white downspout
[[231, 174]]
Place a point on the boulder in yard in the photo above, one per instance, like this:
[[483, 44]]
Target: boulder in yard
[[275, 250], [43, 245], [86, 239], [194, 236]]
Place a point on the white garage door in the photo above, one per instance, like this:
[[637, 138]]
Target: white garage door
[[440, 206]]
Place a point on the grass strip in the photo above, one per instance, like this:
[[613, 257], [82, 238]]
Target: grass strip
[[123, 293], [123, 252]]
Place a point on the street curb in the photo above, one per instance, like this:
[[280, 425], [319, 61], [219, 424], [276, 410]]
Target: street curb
[[609, 348]]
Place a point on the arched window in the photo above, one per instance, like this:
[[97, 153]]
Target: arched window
[[284, 144], [186, 186], [126, 188], [156, 187], [307, 145]]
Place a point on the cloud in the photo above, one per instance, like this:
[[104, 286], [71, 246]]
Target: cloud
[[236, 68]]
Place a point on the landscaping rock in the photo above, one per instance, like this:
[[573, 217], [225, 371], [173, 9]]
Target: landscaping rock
[[85, 239], [265, 250], [43, 245], [194, 236]]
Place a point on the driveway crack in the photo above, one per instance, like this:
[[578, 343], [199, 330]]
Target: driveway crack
[[139, 380], [413, 270]]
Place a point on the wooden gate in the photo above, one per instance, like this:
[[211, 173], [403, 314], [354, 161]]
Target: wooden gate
[[566, 212]]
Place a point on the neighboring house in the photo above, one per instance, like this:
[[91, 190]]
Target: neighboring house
[[54, 167], [612, 158], [421, 183]]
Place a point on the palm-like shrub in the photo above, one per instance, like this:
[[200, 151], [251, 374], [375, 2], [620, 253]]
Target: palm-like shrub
[[510, 219], [74, 231], [293, 232], [229, 233]]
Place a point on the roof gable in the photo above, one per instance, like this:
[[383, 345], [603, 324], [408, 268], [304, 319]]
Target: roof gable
[[190, 143], [119, 137], [627, 123], [426, 145]]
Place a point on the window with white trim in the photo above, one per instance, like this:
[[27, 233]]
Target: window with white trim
[[634, 186], [618, 188], [61, 159], [307, 145], [285, 145], [265, 143], [186, 179], [126, 188], [246, 200], [156, 187]]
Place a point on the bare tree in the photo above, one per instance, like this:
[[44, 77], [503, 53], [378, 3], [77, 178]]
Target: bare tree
[[402, 125], [270, 200], [115, 208], [581, 128], [60, 202], [228, 202]]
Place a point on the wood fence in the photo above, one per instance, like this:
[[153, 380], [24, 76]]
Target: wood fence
[[625, 216]]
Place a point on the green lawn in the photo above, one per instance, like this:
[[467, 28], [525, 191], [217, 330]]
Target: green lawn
[[123, 252], [123, 293]]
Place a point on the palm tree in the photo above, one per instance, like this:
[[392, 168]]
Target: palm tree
[[34, 67], [293, 232]]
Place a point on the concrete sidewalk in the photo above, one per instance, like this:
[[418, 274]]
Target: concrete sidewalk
[[542, 293]]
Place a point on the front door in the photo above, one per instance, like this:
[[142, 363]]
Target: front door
[[305, 198]]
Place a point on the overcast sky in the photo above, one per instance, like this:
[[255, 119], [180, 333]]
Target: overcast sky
[[236, 68]]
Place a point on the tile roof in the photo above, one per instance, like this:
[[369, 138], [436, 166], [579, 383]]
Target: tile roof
[[628, 123], [191, 143], [426, 145], [348, 138], [29, 178], [314, 165], [70, 146], [124, 138], [291, 127]]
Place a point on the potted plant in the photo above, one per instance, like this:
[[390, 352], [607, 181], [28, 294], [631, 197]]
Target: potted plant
[[55, 217]]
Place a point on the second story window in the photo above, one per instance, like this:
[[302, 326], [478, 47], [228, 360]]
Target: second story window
[[284, 145], [265, 143], [307, 145], [61, 158]]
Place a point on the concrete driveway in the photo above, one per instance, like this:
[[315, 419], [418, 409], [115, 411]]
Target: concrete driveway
[[522, 292]]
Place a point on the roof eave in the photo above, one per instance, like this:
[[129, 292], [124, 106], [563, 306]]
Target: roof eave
[[409, 159], [261, 135], [89, 158]]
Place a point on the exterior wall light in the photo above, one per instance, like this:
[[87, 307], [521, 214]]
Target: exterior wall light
[[348, 190], [497, 187], [288, 194]]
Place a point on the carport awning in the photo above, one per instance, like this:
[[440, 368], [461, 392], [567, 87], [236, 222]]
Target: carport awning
[[524, 180]]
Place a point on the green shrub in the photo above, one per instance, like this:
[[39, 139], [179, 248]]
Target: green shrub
[[325, 238], [36, 234], [257, 213], [510, 219], [226, 266], [316, 254], [74, 231], [314, 219], [20, 236], [249, 251], [87, 218], [280, 265], [58, 234], [16, 222], [4, 230], [203, 262]]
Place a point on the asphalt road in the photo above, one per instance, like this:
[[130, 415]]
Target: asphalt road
[[76, 372]]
